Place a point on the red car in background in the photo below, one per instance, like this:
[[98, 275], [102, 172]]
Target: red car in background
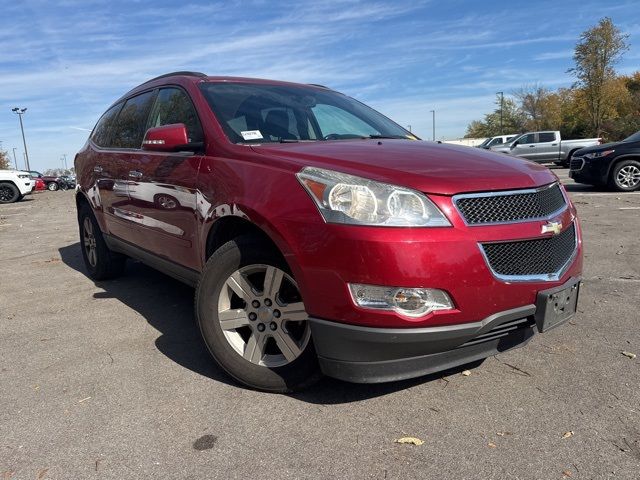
[[322, 236]]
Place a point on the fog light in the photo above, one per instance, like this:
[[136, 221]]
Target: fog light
[[413, 302]]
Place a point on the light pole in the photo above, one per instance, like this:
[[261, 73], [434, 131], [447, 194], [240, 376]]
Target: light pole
[[501, 108], [14, 158], [409, 127], [64, 160], [433, 120], [20, 111]]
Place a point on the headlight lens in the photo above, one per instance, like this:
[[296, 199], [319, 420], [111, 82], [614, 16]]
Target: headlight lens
[[598, 154], [344, 198]]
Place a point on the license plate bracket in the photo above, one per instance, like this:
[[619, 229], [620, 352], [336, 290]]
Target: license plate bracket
[[556, 305]]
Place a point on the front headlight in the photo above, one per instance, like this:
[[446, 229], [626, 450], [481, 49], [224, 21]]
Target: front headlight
[[598, 154], [343, 198]]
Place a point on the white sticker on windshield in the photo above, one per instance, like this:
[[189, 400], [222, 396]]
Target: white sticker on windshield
[[251, 135]]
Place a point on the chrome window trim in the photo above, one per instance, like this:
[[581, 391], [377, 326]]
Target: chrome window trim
[[547, 277], [507, 193]]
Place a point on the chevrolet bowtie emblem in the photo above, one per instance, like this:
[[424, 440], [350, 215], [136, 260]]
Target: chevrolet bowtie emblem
[[553, 227]]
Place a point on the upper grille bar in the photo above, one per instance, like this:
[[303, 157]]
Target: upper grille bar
[[510, 206]]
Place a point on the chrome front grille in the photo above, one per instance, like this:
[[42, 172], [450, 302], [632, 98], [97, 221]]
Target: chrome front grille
[[539, 259], [576, 164], [512, 206]]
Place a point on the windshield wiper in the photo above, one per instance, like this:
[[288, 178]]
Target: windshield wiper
[[397, 137], [288, 140]]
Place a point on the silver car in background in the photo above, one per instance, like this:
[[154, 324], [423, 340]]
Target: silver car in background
[[545, 147]]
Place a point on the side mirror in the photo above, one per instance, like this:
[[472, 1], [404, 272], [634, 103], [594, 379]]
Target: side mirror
[[169, 138], [513, 145]]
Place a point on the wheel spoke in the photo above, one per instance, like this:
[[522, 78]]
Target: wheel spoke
[[240, 286], [294, 312], [272, 281], [254, 349], [92, 256], [287, 345], [233, 318]]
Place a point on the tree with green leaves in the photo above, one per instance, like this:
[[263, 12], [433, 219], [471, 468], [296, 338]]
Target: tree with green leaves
[[597, 52], [513, 121]]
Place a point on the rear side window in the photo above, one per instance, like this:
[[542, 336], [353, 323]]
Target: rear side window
[[530, 138], [131, 121], [103, 128], [546, 137], [174, 106]]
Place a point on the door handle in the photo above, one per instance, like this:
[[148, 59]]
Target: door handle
[[554, 144], [532, 146], [97, 169], [135, 174]]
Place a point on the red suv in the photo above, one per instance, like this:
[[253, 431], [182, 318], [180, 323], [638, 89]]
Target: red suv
[[320, 235]]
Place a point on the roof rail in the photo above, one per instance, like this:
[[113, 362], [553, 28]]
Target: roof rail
[[183, 73], [318, 85]]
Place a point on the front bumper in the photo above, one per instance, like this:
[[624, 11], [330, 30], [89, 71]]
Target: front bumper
[[376, 355], [590, 171]]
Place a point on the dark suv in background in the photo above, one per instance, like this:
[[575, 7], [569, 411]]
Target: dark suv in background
[[320, 235], [615, 165]]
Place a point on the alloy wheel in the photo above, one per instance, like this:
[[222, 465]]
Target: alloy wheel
[[89, 242], [262, 315], [628, 176], [6, 193]]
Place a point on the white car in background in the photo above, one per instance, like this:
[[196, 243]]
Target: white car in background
[[14, 185], [497, 140]]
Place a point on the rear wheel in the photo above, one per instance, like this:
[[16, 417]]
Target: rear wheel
[[625, 176], [53, 186], [101, 263], [9, 193], [253, 319]]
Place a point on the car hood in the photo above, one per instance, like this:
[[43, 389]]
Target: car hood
[[425, 166], [596, 148]]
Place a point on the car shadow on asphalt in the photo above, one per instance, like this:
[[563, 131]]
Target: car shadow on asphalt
[[167, 305]]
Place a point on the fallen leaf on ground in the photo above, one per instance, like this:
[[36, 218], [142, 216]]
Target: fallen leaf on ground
[[410, 441], [491, 445], [568, 434], [466, 373], [629, 354], [567, 473], [502, 434]]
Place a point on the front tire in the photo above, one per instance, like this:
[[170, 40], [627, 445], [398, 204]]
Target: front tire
[[9, 193], [253, 319], [625, 176], [101, 263], [52, 186]]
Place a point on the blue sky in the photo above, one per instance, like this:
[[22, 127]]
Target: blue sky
[[66, 61]]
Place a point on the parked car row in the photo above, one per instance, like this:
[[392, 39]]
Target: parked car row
[[53, 183]]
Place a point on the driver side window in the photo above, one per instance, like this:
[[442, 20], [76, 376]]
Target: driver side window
[[530, 138]]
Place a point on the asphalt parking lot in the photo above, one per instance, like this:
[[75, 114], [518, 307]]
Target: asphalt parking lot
[[111, 380]]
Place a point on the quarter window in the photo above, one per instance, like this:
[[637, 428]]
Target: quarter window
[[131, 121], [103, 128], [174, 106]]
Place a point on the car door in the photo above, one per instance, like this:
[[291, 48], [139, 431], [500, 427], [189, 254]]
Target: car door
[[525, 147], [105, 169], [547, 147], [162, 185], [124, 146]]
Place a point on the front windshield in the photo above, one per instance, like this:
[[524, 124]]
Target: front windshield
[[261, 113], [633, 138], [485, 143]]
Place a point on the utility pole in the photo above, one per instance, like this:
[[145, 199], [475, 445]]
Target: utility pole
[[15, 160], [501, 109], [20, 111], [409, 127], [433, 120], [64, 160]]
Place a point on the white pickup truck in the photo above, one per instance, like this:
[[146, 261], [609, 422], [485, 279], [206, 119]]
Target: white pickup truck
[[14, 185], [545, 147]]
